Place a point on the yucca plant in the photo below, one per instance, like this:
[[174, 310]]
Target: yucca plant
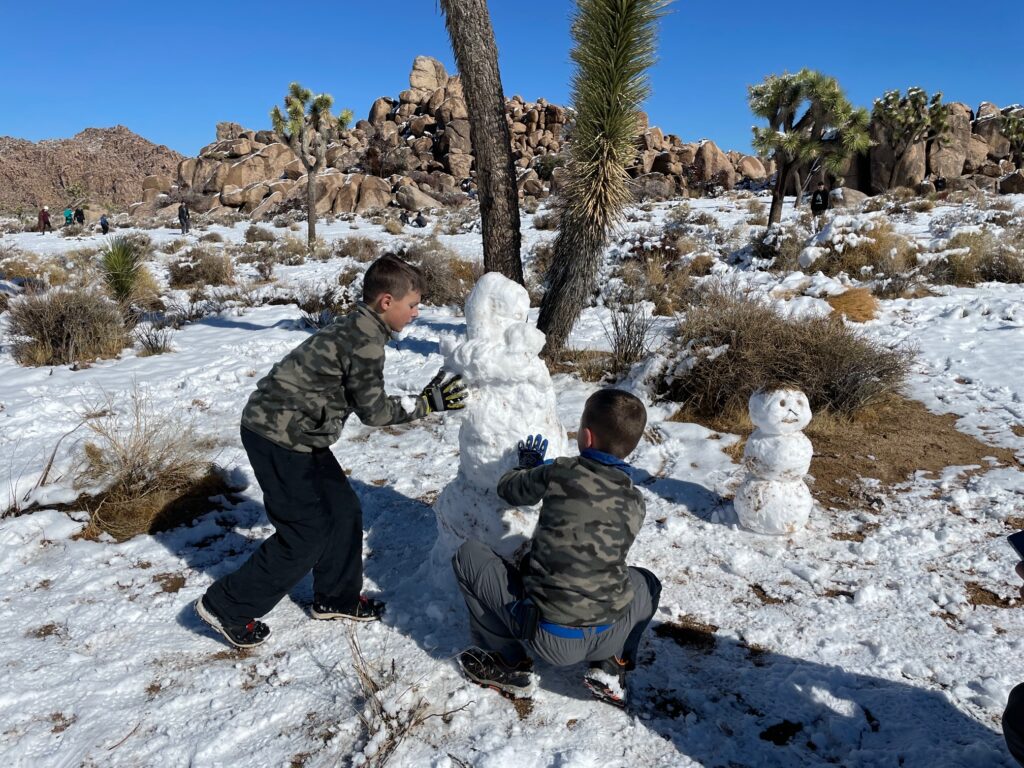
[[306, 126], [121, 265], [615, 44], [809, 119]]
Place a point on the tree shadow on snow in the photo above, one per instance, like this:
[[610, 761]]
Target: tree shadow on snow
[[723, 703]]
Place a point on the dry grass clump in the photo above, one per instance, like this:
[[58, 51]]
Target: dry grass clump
[[447, 278], [149, 466], [587, 364], [629, 334], [549, 220], [362, 249], [4, 302], [212, 237], [64, 326], [200, 266], [175, 245], [782, 244], [393, 227], [978, 257], [257, 234], [31, 268], [322, 303], [73, 230], [879, 251], [732, 345], [856, 304], [153, 339], [658, 276]]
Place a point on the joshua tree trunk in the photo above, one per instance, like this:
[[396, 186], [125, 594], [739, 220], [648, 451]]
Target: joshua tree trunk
[[778, 194], [476, 55], [310, 208]]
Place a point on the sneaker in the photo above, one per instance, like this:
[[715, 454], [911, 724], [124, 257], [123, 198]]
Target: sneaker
[[606, 679], [245, 636], [492, 671], [364, 609]]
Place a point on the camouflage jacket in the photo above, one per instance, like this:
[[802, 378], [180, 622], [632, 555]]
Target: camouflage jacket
[[591, 513], [303, 402]]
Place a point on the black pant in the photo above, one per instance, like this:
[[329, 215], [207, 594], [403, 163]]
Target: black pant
[[184, 226], [1013, 723], [318, 524], [105, 228]]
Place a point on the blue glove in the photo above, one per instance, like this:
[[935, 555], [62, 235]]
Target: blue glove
[[531, 452]]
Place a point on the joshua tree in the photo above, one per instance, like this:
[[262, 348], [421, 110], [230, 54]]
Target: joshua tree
[[809, 119], [1013, 129], [476, 55], [614, 47], [907, 120], [306, 126]]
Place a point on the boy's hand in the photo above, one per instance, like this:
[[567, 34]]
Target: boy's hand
[[447, 396], [531, 452]]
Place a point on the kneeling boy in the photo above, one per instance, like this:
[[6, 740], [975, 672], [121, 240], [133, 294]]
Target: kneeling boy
[[572, 598]]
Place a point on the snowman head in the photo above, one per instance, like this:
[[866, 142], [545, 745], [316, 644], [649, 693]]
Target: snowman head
[[780, 411], [494, 304]]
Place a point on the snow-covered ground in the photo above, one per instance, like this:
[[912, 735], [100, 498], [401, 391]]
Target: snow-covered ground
[[806, 650]]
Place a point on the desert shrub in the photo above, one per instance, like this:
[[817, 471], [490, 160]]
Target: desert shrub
[[264, 270], [257, 234], [976, 257], [288, 251], [149, 466], [5, 301], [393, 227], [153, 338], [175, 245], [64, 326], [362, 249], [656, 275], [545, 164], [29, 268], [730, 345], [782, 245], [73, 230], [865, 247], [921, 206], [142, 243], [677, 214], [199, 266], [856, 304], [549, 220], [211, 237], [629, 334], [447, 279], [702, 218], [321, 303]]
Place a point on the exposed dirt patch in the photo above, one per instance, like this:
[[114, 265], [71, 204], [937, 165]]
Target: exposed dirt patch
[[588, 364], [170, 582], [836, 593], [60, 722], [858, 535], [154, 688], [523, 707], [889, 441], [764, 597], [1017, 429], [759, 655], [782, 733], [1014, 523], [47, 630], [689, 632], [978, 595]]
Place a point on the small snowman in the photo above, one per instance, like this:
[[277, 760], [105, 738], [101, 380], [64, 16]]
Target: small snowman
[[772, 497]]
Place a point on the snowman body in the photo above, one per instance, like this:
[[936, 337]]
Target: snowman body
[[511, 396], [772, 497]]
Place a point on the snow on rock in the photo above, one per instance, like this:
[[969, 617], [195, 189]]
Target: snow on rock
[[511, 397], [772, 497]]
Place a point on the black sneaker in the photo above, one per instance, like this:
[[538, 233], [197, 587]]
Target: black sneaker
[[491, 671], [245, 636], [364, 609], [606, 679]]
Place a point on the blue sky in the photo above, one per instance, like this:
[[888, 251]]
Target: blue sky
[[171, 71]]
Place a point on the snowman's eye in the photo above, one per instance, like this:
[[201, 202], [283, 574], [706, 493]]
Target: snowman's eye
[[782, 403]]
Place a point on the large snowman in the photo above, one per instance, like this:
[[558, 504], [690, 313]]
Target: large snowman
[[772, 497], [511, 397]]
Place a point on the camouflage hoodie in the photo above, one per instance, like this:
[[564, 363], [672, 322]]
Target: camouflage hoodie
[[576, 570], [303, 402]]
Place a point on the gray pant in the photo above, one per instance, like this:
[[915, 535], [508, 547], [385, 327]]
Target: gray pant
[[492, 588]]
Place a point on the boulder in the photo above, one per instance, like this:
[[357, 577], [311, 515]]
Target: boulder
[[379, 110], [977, 155], [266, 165], [947, 159], [453, 108], [427, 74], [751, 168], [187, 171], [159, 182], [559, 176], [247, 198], [413, 199], [847, 197], [149, 195], [414, 96], [456, 138], [347, 195], [653, 139], [211, 176], [653, 186], [459, 165], [226, 131], [420, 124], [1013, 184], [989, 130], [961, 184], [665, 163], [294, 169], [205, 203], [374, 192], [268, 205], [713, 166], [911, 171], [987, 109], [985, 183]]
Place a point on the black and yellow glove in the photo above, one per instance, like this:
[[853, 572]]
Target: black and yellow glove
[[449, 396]]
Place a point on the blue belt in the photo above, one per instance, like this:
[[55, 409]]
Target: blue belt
[[575, 633]]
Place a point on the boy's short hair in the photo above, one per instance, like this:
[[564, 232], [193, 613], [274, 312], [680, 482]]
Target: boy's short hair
[[617, 419], [389, 274]]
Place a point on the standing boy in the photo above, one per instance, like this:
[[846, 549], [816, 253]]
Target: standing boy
[[184, 218], [821, 201], [296, 413], [572, 598]]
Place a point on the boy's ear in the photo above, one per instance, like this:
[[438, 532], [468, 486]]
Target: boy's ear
[[585, 438], [384, 301]]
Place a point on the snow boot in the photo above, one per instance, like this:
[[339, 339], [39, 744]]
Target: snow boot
[[363, 609], [247, 635], [606, 679], [490, 670]]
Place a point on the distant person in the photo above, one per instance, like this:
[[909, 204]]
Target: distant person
[[184, 218], [420, 220], [1013, 715], [940, 183], [69, 217], [44, 221], [79, 216], [104, 224], [821, 201]]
